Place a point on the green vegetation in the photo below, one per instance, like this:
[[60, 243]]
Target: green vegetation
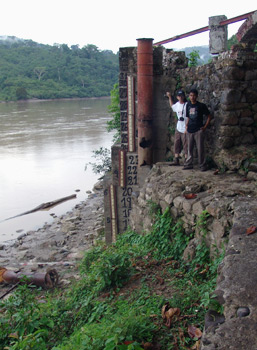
[[232, 41], [252, 158], [114, 109], [121, 298], [202, 221], [203, 51], [103, 161], [32, 70], [193, 58]]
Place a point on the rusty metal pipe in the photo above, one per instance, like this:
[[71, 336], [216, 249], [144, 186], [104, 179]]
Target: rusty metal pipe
[[45, 280], [145, 101], [204, 29]]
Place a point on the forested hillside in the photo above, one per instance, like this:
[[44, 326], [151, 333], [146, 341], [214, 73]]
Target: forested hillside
[[32, 70]]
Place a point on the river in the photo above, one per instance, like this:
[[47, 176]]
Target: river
[[44, 147]]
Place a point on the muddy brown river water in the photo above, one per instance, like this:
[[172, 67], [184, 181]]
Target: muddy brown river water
[[44, 146]]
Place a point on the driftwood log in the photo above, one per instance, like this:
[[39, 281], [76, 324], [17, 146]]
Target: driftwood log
[[44, 206]]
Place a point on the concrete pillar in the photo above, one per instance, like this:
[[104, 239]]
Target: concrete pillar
[[218, 35]]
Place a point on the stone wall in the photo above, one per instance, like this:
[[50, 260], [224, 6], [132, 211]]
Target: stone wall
[[209, 214], [227, 86]]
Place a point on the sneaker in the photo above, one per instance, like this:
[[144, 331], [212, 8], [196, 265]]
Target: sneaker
[[176, 162], [187, 167]]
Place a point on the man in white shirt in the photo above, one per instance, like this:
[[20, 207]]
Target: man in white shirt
[[180, 134]]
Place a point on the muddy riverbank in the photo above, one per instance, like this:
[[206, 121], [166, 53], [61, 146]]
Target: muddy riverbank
[[59, 245]]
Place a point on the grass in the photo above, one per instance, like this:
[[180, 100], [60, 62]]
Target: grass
[[118, 302]]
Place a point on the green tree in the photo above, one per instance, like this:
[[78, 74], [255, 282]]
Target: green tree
[[39, 71], [103, 162], [193, 58], [21, 93], [114, 109], [232, 41], [55, 71]]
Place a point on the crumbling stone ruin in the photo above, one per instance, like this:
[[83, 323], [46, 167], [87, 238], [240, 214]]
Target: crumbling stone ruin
[[227, 192]]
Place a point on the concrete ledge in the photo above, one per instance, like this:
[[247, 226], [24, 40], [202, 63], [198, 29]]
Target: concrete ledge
[[237, 286]]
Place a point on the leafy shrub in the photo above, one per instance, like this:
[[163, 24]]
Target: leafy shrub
[[193, 58], [22, 316], [114, 109], [112, 333], [112, 269], [103, 161], [99, 313]]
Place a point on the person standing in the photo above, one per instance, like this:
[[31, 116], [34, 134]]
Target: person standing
[[195, 128], [180, 134]]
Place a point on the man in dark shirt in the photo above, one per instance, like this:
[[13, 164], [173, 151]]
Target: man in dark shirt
[[195, 128]]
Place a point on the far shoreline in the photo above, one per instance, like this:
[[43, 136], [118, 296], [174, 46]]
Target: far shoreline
[[57, 99]]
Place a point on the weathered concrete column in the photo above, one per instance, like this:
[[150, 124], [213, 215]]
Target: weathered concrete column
[[218, 34], [145, 101]]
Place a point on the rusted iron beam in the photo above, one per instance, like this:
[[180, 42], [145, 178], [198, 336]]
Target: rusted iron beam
[[236, 19], [9, 290], [204, 29], [181, 36], [145, 100], [45, 280]]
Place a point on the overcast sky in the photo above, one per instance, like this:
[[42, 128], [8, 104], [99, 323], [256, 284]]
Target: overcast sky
[[115, 23]]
